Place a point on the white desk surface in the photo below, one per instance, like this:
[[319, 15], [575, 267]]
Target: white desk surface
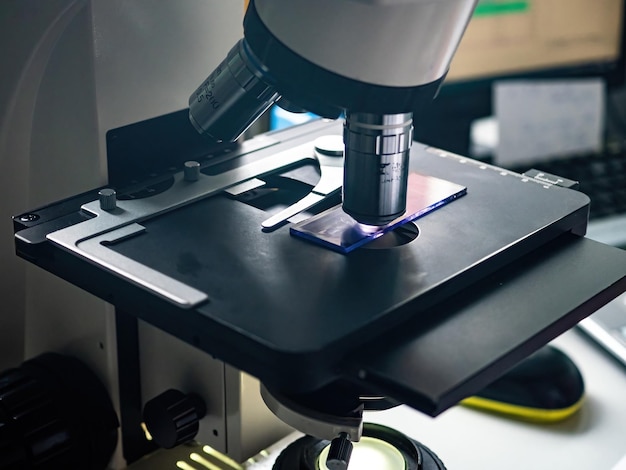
[[593, 439]]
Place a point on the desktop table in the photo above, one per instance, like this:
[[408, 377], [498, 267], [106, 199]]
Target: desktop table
[[594, 438]]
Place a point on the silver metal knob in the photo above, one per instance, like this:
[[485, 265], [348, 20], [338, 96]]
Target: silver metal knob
[[108, 199], [191, 171]]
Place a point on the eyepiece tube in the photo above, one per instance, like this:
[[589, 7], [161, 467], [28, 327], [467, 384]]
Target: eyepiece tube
[[236, 93], [376, 166]]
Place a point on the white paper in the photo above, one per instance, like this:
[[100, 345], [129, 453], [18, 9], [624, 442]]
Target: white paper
[[547, 118]]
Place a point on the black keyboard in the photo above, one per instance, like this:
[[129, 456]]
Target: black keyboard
[[601, 177]]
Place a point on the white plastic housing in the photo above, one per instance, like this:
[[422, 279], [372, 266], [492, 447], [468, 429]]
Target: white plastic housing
[[402, 43]]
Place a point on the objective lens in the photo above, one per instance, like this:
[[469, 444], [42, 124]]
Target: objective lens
[[376, 166], [236, 93]]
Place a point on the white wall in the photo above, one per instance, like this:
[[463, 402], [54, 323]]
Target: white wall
[[70, 71]]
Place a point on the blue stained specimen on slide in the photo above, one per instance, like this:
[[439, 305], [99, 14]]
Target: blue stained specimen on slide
[[336, 230]]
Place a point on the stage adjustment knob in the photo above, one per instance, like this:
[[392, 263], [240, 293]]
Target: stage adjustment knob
[[108, 199], [339, 453], [191, 171], [172, 418]]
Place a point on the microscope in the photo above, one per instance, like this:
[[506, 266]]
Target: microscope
[[372, 63], [449, 251]]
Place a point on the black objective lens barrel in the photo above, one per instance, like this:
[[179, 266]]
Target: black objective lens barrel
[[376, 167], [236, 93]]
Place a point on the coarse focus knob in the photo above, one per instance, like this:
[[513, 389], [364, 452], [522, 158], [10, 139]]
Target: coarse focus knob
[[172, 418], [55, 413]]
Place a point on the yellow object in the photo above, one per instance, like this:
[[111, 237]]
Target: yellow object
[[525, 413]]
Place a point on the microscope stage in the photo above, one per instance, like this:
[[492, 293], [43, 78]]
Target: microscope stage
[[299, 316]]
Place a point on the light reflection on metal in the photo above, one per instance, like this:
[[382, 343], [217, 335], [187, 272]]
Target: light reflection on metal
[[204, 462], [146, 432], [230, 463], [184, 465]]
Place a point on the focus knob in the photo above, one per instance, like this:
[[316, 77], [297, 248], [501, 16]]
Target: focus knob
[[55, 413], [172, 418]]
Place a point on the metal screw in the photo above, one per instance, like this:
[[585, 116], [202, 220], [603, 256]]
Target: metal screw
[[28, 217]]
